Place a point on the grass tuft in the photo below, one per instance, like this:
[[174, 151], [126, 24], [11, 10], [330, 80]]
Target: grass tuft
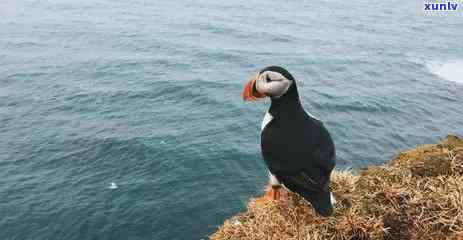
[[418, 195]]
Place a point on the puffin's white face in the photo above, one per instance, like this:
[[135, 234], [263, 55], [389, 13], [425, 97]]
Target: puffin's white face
[[272, 84], [267, 83]]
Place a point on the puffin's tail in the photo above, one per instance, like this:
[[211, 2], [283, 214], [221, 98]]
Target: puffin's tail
[[321, 201], [316, 192], [320, 197]]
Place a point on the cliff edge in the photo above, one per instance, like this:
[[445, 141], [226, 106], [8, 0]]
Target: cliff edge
[[417, 195]]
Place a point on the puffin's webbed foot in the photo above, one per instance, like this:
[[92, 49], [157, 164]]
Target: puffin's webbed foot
[[272, 194]]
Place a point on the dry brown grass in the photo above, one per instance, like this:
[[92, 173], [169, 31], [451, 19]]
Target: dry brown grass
[[418, 195]]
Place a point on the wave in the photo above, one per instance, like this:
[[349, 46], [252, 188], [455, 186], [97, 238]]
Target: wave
[[451, 70]]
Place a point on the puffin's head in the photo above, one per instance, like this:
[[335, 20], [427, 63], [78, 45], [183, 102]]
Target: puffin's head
[[273, 82]]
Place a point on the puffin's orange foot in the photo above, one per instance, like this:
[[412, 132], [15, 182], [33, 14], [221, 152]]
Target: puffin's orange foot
[[272, 194]]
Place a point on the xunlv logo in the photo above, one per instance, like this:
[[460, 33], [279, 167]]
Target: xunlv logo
[[440, 6]]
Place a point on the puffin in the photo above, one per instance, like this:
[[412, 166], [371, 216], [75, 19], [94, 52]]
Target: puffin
[[296, 146]]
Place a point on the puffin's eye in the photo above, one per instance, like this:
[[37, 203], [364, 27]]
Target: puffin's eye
[[267, 78]]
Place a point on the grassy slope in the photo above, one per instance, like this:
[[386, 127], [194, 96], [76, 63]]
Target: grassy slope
[[418, 195]]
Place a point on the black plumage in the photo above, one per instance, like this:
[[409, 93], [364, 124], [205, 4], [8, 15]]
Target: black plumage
[[298, 149]]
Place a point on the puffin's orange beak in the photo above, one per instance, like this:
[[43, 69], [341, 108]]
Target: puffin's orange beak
[[250, 92]]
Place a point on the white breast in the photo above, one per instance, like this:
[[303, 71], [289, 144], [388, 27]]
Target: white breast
[[267, 119]]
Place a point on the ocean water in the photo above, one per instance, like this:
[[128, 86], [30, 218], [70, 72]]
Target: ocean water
[[123, 119]]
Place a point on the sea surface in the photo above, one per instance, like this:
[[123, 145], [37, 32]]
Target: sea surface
[[122, 119]]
